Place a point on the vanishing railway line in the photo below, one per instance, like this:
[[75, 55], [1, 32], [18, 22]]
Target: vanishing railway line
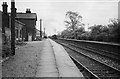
[[98, 65], [100, 52], [115, 57]]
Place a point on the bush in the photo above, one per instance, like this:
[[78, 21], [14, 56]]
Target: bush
[[6, 51]]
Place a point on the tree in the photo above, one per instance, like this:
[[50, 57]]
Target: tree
[[79, 32], [96, 31], [74, 20], [114, 30]]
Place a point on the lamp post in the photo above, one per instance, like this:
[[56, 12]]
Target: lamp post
[[13, 27]]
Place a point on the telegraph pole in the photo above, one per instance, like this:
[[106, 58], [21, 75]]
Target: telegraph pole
[[40, 29], [13, 27]]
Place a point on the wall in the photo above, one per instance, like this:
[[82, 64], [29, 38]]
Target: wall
[[30, 26], [18, 28]]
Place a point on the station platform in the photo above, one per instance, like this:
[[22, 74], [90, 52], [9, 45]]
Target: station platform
[[44, 58], [55, 62]]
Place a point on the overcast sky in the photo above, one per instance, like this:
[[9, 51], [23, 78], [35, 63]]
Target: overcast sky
[[52, 12]]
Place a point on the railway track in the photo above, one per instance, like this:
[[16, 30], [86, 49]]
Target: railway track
[[111, 48], [108, 54], [94, 68], [107, 58]]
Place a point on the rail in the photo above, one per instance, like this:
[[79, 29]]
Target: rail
[[103, 46]]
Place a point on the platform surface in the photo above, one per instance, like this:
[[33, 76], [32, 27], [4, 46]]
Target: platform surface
[[55, 62]]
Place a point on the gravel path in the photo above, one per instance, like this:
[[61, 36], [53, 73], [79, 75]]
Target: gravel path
[[24, 63]]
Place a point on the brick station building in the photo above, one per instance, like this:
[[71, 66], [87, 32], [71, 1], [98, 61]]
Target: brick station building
[[24, 27], [24, 24], [29, 19]]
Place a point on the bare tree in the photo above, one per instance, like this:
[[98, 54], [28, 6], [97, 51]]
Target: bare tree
[[73, 21]]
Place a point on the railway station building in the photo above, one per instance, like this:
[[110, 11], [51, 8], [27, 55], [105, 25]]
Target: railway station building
[[24, 24], [29, 19]]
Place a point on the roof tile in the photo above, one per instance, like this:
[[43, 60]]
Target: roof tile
[[26, 15]]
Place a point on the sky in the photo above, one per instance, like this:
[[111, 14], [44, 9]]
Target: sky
[[52, 12]]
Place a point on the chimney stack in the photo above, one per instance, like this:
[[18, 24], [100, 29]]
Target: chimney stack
[[4, 5], [28, 10]]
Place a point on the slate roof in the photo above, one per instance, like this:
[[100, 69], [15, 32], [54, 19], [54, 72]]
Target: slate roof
[[26, 15]]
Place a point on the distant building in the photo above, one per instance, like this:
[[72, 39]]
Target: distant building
[[38, 34], [119, 10], [29, 19]]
